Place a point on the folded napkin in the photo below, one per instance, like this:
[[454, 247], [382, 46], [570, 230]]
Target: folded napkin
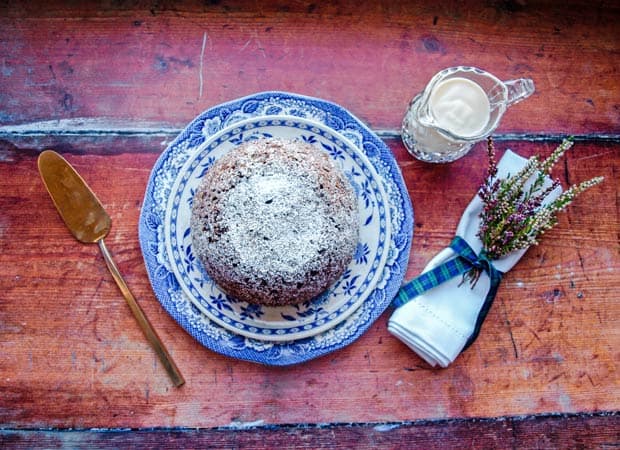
[[439, 323]]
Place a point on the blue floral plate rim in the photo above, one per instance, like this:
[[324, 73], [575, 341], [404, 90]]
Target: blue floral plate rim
[[293, 321], [164, 283]]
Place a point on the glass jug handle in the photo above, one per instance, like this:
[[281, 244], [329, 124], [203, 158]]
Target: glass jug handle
[[518, 90]]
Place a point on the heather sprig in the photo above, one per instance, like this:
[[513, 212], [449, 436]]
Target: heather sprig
[[514, 216]]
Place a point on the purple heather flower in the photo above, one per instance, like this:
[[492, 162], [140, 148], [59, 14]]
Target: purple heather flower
[[512, 216]]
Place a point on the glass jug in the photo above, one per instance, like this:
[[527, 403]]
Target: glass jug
[[459, 107]]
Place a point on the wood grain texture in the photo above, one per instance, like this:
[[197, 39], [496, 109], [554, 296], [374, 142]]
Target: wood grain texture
[[110, 84], [549, 344], [536, 433], [163, 62]]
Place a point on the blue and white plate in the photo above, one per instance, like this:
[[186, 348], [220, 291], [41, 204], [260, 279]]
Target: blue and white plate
[[288, 322], [171, 266]]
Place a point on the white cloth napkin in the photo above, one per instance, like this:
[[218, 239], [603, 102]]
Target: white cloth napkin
[[437, 324]]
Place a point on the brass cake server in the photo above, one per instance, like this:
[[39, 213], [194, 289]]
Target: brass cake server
[[89, 223]]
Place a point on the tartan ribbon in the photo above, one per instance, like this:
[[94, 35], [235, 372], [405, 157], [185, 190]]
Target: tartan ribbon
[[465, 261]]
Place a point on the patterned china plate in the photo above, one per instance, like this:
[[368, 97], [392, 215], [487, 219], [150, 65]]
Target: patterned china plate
[[161, 267], [308, 318]]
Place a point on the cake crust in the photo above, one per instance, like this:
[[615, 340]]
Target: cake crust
[[274, 222]]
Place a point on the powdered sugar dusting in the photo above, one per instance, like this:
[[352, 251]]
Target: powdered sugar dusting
[[274, 222], [286, 236]]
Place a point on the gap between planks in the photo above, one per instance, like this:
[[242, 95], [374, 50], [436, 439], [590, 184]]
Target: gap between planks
[[377, 426], [97, 127]]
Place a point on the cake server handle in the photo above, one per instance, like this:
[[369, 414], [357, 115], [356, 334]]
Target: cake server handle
[[143, 321]]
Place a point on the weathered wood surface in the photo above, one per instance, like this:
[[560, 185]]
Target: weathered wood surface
[[119, 83], [72, 355], [535, 433], [159, 64]]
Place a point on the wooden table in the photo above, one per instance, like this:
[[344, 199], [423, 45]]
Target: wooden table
[[109, 85]]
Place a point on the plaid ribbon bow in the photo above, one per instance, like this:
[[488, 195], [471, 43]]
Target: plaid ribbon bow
[[465, 261]]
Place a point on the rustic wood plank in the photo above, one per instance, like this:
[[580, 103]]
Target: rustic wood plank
[[579, 431], [164, 62], [549, 344], [111, 86]]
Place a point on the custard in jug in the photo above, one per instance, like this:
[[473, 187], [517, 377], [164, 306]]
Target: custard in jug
[[460, 106]]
